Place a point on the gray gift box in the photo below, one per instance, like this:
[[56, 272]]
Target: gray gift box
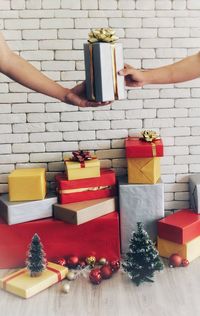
[[21, 212], [102, 63], [194, 184], [139, 203]]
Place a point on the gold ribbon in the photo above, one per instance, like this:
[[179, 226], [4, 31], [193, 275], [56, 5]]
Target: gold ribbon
[[150, 136], [106, 35], [83, 190]]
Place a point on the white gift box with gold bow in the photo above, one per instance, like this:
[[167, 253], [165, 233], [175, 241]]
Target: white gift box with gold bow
[[103, 59]]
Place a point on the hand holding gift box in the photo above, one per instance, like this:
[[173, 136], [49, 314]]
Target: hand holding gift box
[[82, 165], [143, 155], [103, 60]]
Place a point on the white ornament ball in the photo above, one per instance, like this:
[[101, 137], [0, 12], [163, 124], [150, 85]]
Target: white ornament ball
[[65, 288], [71, 276]]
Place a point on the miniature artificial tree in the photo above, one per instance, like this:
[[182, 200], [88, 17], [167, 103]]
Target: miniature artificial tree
[[142, 258], [36, 261]]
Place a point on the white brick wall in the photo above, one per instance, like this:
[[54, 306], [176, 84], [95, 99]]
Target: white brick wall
[[36, 130]]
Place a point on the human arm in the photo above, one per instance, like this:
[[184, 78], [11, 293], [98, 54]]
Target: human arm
[[184, 70], [18, 69]]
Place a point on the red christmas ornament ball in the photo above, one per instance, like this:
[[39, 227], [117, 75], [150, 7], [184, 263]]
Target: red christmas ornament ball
[[115, 265], [175, 260], [106, 271], [72, 261], [82, 264], [95, 276], [61, 261], [185, 262]]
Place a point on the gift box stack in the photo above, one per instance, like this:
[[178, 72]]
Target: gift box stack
[[141, 195], [84, 223], [180, 232]]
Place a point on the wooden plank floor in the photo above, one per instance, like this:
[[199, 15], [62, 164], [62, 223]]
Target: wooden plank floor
[[175, 292]]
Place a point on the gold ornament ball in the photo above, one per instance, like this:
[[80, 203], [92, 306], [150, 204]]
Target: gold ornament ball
[[71, 276], [66, 288], [91, 260]]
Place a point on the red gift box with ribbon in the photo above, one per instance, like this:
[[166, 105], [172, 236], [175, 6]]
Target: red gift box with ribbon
[[138, 148], [99, 238], [71, 191]]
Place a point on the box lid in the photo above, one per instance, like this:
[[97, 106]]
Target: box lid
[[138, 148], [107, 178], [86, 164], [181, 219], [27, 172]]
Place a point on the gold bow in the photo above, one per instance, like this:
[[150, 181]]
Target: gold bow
[[106, 35], [149, 135]]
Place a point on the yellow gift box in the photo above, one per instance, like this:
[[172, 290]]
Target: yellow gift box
[[189, 251], [143, 158], [82, 170], [143, 170], [27, 184], [22, 284]]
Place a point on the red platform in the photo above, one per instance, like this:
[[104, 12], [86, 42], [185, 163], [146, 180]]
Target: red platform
[[92, 188], [99, 237], [180, 227]]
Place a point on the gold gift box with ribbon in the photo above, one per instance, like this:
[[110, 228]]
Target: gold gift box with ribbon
[[103, 60], [143, 157], [81, 166], [22, 284]]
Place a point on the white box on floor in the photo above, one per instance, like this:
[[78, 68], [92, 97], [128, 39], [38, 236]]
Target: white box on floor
[[194, 184], [21, 212], [139, 203]]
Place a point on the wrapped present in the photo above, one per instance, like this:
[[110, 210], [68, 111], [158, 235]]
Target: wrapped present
[[81, 166], [99, 237], [20, 212], [71, 191], [139, 203], [180, 227], [82, 212], [143, 157], [22, 284], [27, 184], [194, 184], [189, 250], [103, 60]]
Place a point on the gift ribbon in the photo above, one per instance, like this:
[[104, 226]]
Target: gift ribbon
[[84, 189], [8, 278], [114, 69], [82, 163]]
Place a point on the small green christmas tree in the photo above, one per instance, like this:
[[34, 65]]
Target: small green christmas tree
[[36, 261], [142, 258]]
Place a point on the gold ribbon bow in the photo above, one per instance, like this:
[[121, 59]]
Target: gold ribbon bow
[[106, 35], [150, 136]]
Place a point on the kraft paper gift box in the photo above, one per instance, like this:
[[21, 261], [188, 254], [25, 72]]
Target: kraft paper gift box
[[194, 184], [143, 160], [71, 191], [103, 60], [20, 283], [82, 212], [27, 184], [20, 212], [180, 227], [139, 203], [189, 250], [82, 170], [98, 237]]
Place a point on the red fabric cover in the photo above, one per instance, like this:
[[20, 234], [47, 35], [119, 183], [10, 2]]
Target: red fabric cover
[[107, 178], [99, 237], [180, 227], [137, 148]]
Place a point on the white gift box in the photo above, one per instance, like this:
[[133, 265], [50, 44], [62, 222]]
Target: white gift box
[[139, 203], [102, 63], [194, 184], [21, 212]]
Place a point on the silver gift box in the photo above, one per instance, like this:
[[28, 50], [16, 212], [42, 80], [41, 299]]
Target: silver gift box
[[102, 63], [194, 184], [21, 212], [139, 203]]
